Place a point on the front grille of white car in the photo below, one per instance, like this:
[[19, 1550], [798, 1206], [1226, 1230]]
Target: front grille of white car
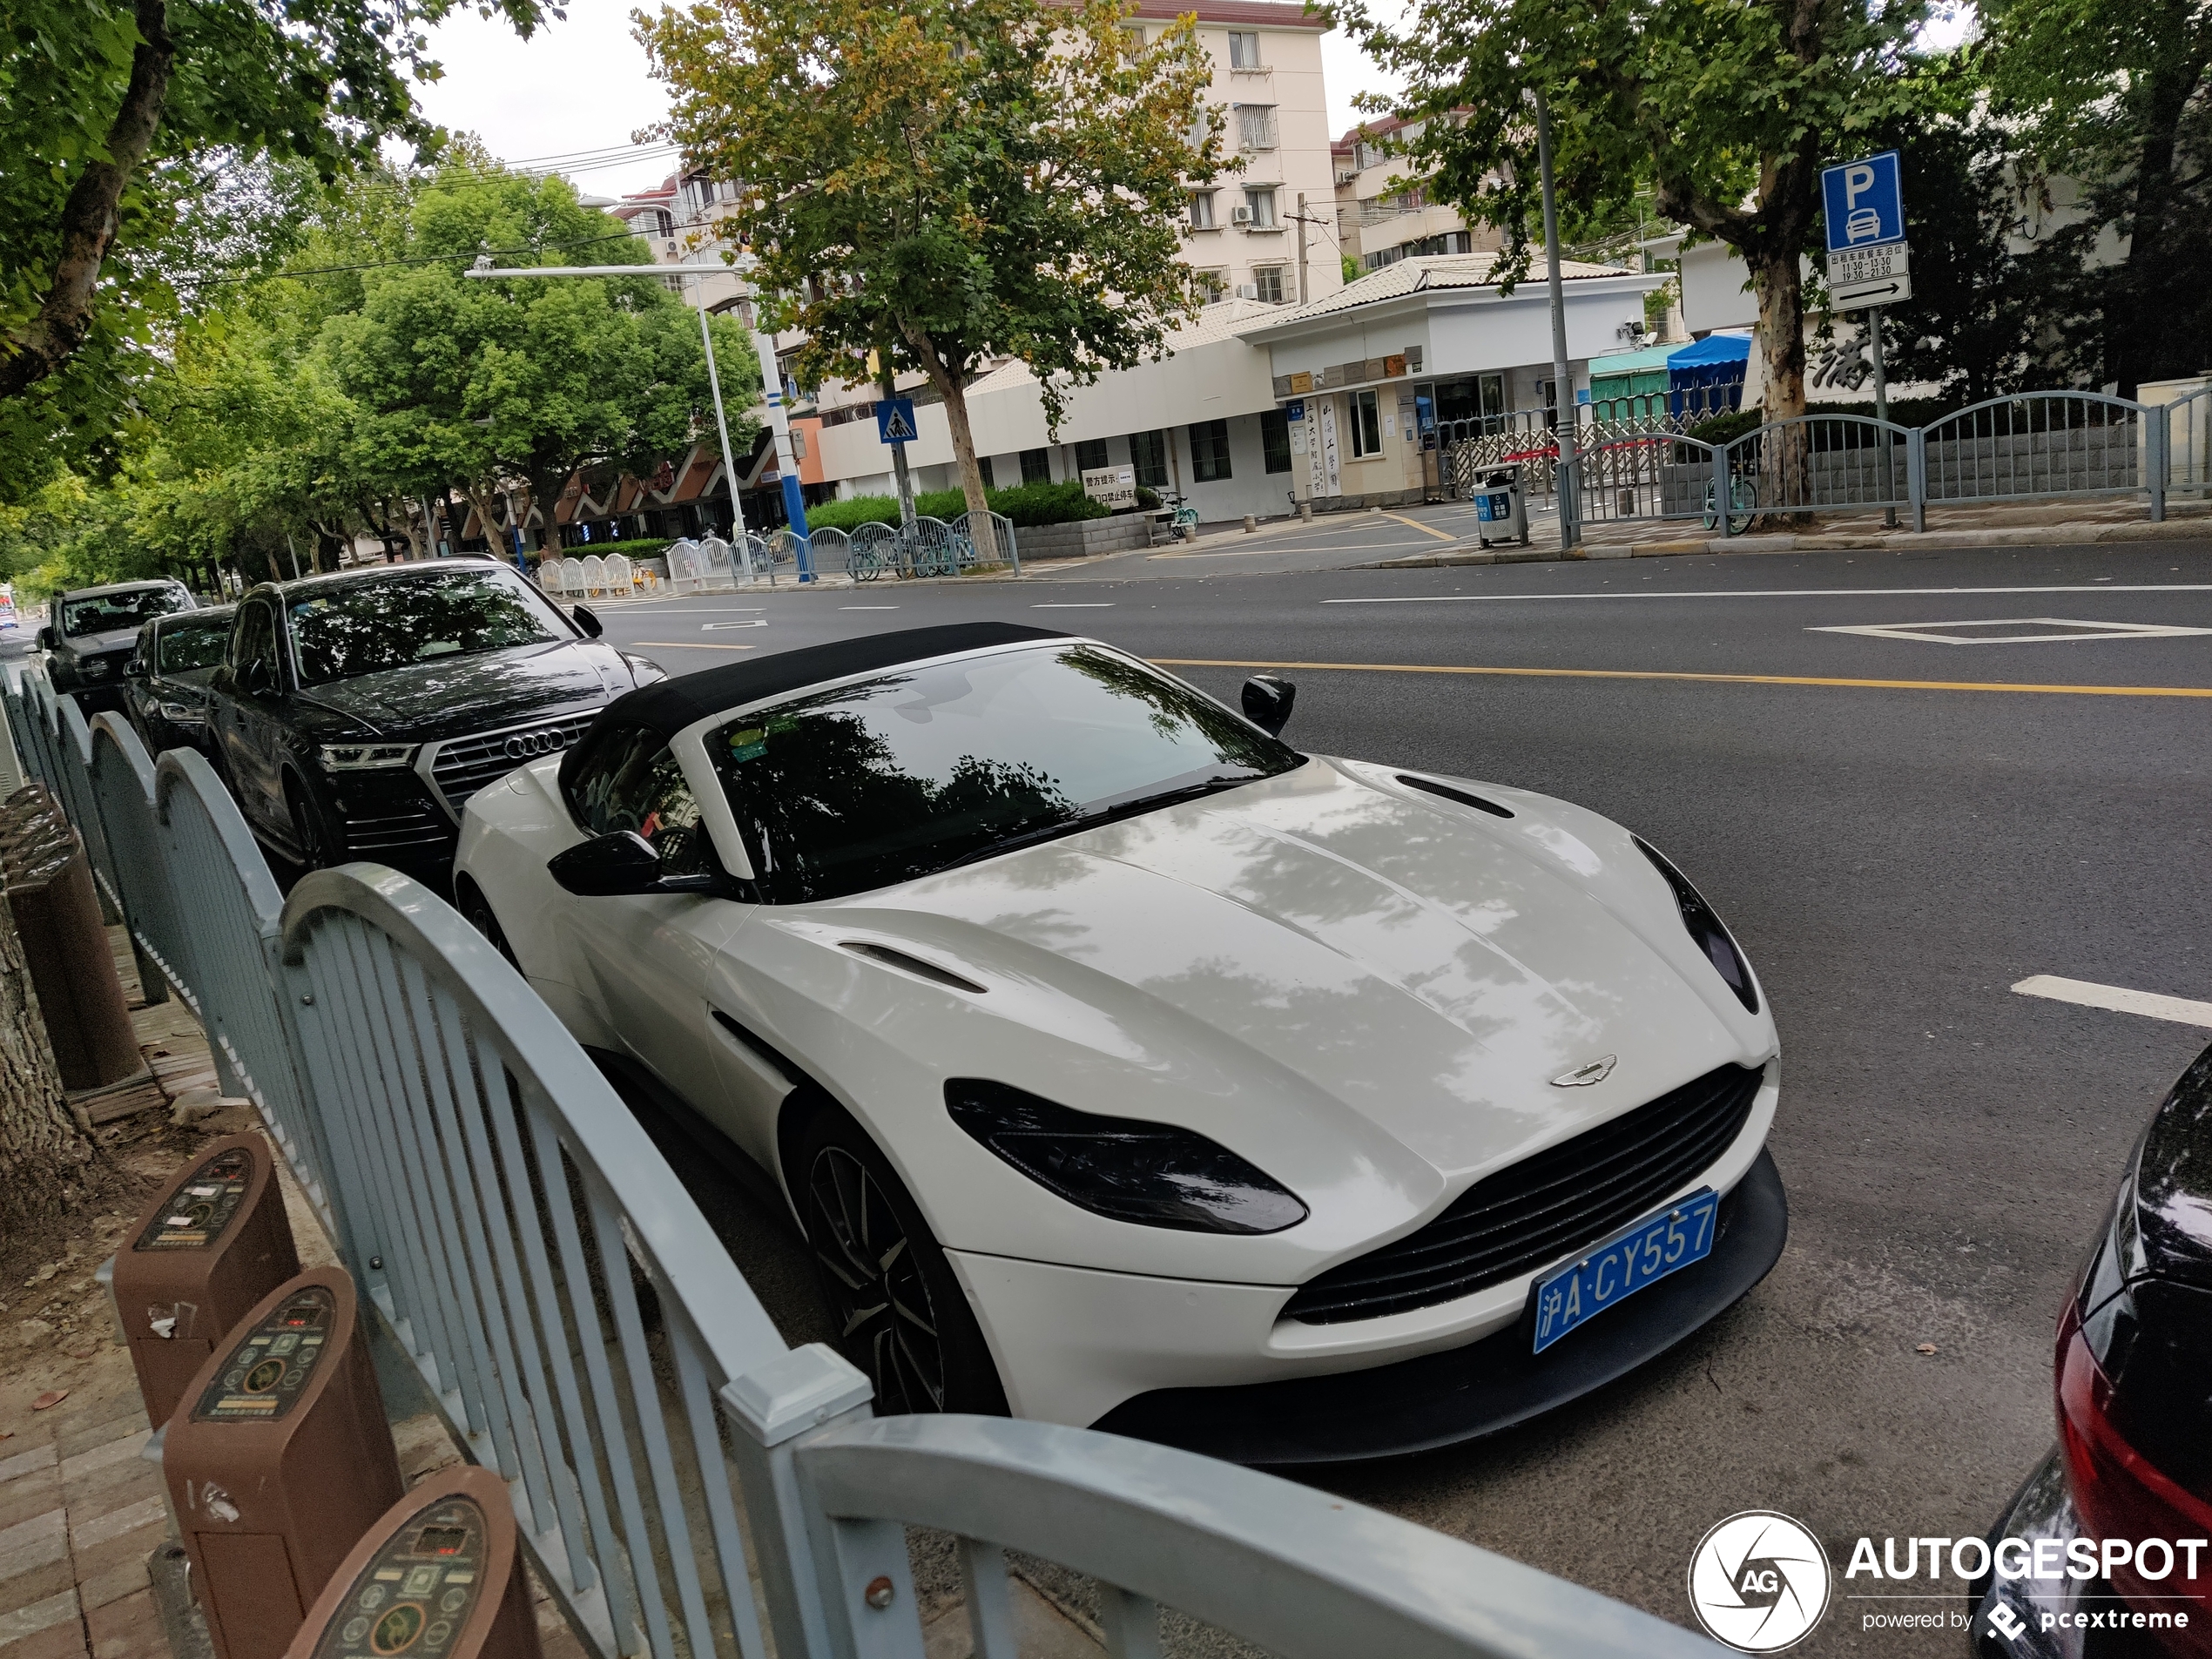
[[1542, 1208]]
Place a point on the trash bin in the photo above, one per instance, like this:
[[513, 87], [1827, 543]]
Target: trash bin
[[57, 912], [1501, 514]]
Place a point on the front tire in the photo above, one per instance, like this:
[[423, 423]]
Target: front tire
[[901, 1313]]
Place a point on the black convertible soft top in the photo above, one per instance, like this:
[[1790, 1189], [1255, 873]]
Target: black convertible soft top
[[670, 705]]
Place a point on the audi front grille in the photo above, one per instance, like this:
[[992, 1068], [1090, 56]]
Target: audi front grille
[[460, 766], [1542, 1208]]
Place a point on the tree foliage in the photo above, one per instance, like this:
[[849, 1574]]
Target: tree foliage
[[1729, 112], [127, 126], [2116, 95], [946, 183]]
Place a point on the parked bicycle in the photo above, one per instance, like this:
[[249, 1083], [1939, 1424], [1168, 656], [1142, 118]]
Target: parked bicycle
[[1743, 501]]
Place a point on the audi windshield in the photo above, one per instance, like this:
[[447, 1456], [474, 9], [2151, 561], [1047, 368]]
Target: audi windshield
[[928, 768], [106, 613], [342, 633]]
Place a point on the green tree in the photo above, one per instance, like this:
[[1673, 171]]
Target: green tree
[[455, 381], [1728, 111], [2117, 94], [947, 183], [116, 116]]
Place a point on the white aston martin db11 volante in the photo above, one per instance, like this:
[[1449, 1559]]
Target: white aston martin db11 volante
[[1126, 1067]]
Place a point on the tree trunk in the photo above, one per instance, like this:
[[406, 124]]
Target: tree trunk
[[90, 214], [950, 384], [43, 1155], [2146, 335], [1785, 460]]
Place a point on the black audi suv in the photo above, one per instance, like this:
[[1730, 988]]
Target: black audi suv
[[2106, 1552], [356, 713], [93, 632]]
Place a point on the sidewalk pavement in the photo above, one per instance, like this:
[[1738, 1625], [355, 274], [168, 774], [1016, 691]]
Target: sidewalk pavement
[[82, 1514], [2025, 525]]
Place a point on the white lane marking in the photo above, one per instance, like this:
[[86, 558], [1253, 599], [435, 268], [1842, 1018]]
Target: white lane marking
[[1928, 632], [1764, 593], [709, 627], [1073, 604], [2117, 998], [867, 607]]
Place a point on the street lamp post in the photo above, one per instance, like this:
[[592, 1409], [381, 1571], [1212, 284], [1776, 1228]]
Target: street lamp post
[[1564, 436]]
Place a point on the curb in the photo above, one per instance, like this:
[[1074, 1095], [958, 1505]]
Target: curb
[[2080, 534]]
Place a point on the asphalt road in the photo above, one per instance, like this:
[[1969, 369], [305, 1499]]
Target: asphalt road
[[1898, 830]]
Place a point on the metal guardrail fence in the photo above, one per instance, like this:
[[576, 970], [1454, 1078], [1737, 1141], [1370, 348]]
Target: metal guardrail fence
[[2032, 447], [686, 1484]]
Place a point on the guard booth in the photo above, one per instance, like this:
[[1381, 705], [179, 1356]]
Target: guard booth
[[278, 1460], [197, 1259], [437, 1576]]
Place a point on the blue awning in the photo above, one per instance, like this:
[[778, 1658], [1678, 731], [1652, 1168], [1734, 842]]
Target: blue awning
[[1707, 376], [1714, 348]]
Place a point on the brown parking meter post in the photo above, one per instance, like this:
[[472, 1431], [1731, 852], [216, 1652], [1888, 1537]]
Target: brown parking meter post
[[278, 1460], [438, 1577], [199, 1258]]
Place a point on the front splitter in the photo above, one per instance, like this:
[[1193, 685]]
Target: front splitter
[[1463, 1394]]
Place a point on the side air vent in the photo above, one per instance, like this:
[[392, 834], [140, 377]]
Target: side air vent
[[1429, 786], [913, 965]]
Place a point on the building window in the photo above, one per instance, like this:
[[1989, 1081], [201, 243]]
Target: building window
[[1210, 451], [1148, 452], [1275, 439], [1202, 216], [1037, 466], [1267, 283], [1244, 48], [1132, 40], [1211, 286], [1256, 126], [1261, 203], [1366, 426], [665, 221], [1367, 154], [1090, 454], [982, 465]]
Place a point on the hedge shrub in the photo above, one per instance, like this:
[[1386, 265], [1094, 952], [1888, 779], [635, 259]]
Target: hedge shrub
[[1027, 505]]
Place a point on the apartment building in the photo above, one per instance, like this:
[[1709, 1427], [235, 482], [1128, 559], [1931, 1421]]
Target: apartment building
[[1381, 217]]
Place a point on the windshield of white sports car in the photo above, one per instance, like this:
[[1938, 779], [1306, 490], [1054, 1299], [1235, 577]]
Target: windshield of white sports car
[[928, 768]]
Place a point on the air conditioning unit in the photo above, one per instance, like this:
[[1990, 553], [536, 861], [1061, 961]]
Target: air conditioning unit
[[1248, 290], [1347, 177], [1240, 216]]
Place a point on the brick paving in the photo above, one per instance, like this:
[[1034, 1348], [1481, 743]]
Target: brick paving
[[81, 1511]]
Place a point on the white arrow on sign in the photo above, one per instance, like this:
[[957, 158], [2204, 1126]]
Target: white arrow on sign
[[1889, 291]]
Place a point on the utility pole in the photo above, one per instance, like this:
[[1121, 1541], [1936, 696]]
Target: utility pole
[[1881, 410], [1303, 295], [1564, 436]]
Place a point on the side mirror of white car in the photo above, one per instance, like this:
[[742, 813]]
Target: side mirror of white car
[[1267, 702], [622, 862], [625, 862]]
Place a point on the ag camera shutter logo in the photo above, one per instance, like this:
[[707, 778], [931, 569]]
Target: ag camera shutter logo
[[1759, 1582]]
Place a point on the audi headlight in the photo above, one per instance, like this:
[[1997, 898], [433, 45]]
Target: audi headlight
[[1155, 1175], [1706, 928], [359, 757]]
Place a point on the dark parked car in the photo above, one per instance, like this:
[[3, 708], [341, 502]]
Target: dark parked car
[[93, 632], [356, 713], [2134, 1460], [164, 684]]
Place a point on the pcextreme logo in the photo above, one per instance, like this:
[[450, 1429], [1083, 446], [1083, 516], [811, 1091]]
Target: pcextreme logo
[[1759, 1582]]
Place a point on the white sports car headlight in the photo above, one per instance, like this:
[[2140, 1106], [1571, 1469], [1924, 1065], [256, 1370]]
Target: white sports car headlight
[[1155, 1175]]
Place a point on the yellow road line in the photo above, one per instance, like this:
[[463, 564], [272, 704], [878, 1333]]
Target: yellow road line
[[1724, 679], [690, 644], [1424, 529]]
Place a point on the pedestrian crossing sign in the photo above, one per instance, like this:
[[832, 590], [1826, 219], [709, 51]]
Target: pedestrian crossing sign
[[894, 420]]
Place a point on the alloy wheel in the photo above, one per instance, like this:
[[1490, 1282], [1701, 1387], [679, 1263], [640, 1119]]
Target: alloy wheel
[[884, 1318]]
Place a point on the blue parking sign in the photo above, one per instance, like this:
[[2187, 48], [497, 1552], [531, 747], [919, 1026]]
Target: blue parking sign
[[1865, 203]]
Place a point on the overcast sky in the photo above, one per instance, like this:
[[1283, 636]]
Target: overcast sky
[[581, 86]]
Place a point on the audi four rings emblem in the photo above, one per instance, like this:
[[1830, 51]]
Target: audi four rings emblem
[[528, 745]]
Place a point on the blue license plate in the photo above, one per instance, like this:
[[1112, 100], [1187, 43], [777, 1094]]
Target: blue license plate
[[1660, 1243]]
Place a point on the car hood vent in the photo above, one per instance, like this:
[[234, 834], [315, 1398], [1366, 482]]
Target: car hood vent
[[898, 959]]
